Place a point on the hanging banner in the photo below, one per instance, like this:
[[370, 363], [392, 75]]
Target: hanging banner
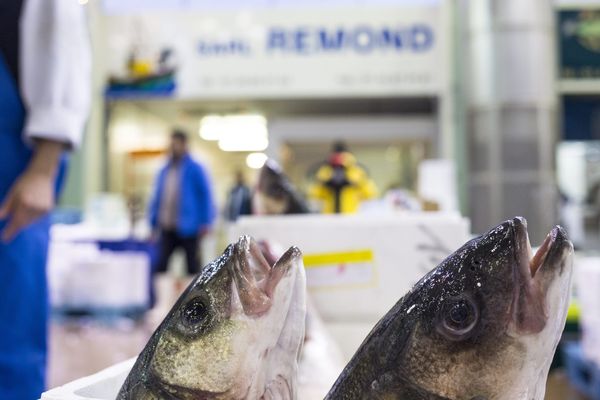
[[329, 52]]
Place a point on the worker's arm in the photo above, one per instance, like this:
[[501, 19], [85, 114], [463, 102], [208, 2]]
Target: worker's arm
[[367, 188], [359, 178], [55, 70], [55, 74]]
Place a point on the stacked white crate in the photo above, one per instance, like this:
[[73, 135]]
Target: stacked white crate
[[81, 276], [587, 287], [104, 385]]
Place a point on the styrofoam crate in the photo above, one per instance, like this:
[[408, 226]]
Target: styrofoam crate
[[83, 277], [349, 336], [104, 385], [587, 282], [358, 266]]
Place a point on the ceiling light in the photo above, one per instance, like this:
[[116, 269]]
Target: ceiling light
[[246, 132], [211, 127], [256, 160]]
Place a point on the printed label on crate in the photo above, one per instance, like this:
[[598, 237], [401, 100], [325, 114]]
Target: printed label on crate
[[340, 269]]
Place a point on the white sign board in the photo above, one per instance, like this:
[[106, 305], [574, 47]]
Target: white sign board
[[283, 53]]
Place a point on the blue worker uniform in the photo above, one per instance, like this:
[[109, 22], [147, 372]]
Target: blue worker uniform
[[24, 304], [23, 286], [196, 206]]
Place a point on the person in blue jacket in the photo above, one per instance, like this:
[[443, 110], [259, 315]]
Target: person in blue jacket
[[181, 209], [45, 79]]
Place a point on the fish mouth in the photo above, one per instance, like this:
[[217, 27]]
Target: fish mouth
[[534, 274], [257, 272]]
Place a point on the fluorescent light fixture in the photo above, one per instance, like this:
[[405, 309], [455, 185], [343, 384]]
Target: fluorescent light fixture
[[247, 132], [256, 160], [211, 127]]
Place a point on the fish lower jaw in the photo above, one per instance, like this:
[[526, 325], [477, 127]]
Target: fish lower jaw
[[534, 275], [540, 347], [528, 314]]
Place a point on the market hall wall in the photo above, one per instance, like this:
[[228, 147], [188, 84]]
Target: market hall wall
[[386, 144]]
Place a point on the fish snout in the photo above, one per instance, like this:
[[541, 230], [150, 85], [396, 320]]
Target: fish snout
[[256, 274]]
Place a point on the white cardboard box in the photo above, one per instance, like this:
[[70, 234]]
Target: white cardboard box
[[318, 369], [104, 385], [82, 276], [359, 266], [587, 282], [349, 336]]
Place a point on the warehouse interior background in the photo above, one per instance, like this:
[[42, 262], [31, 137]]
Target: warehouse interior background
[[464, 113]]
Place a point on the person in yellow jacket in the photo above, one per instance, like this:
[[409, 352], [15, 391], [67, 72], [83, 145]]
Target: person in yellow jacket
[[341, 184]]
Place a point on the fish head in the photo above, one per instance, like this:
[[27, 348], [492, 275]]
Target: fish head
[[486, 322], [274, 191], [217, 340]]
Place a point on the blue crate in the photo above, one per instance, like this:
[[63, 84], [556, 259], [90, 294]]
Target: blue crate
[[583, 374], [105, 314], [66, 215]]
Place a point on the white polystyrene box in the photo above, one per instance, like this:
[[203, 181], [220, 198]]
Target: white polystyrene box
[[359, 266], [349, 336], [82, 276], [104, 385], [587, 282]]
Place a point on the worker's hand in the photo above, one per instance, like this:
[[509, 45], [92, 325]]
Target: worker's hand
[[32, 195]]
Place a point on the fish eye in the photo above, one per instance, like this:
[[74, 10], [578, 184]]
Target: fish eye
[[194, 312], [459, 313], [458, 318]]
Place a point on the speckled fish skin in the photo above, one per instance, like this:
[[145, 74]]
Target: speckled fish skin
[[483, 325], [235, 333]]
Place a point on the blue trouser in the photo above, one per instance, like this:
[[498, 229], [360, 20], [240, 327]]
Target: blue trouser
[[23, 289]]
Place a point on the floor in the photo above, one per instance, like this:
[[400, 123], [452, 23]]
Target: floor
[[559, 389], [82, 347]]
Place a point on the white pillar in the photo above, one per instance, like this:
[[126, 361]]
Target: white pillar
[[512, 112]]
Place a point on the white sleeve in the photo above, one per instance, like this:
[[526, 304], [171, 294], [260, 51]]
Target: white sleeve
[[55, 70]]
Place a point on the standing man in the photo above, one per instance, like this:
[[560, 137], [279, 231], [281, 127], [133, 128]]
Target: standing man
[[239, 201], [181, 209], [44, 100]]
